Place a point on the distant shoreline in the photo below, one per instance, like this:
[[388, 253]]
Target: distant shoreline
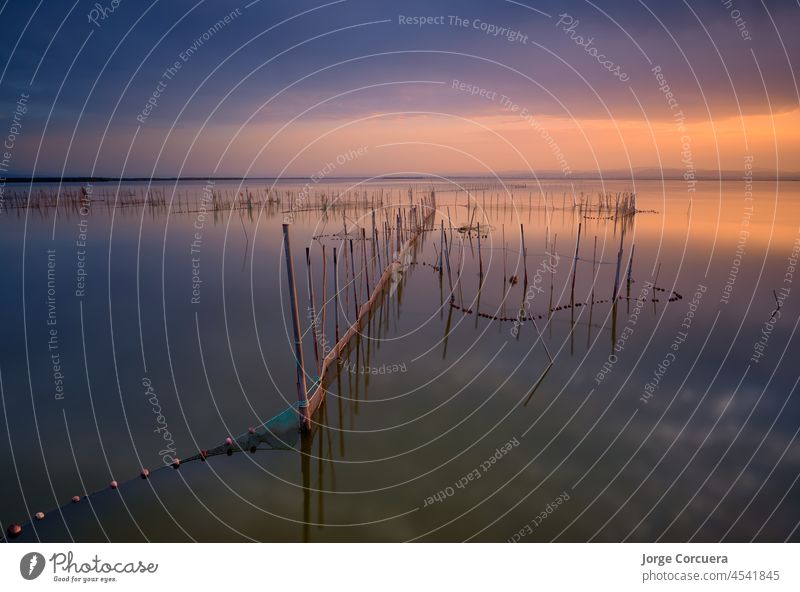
[[614, 177]]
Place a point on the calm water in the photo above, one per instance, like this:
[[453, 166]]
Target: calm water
[[666, 420]]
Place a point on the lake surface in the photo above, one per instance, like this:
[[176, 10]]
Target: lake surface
[[134, 329]]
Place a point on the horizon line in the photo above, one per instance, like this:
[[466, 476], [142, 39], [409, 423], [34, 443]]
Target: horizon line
[[612, 176]]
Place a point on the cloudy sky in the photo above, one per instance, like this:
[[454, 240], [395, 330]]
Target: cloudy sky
[[286, 87]]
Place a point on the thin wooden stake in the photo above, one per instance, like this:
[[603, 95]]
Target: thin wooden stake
[[480, 257], [619, 264], [313, 308], [541, 337], [524, 252], [336, 293], [302, 392], [447, 262], [630, 264], [353, 273], [324, 301], [575, 263], [364, 261], [441, 249]]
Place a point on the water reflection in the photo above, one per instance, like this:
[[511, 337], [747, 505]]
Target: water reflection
[[710, 454]]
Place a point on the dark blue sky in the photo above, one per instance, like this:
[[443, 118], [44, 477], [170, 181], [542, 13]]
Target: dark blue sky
[[94, 79]]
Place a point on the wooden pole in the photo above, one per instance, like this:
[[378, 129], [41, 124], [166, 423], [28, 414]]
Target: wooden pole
[[594, 263], [480, 257], [312, 307], [387, 236], [575, 263], [450, 225], [336, 293], [449, 273], [619, 264], [505, 278], [630, 265], [655, 282], [302, 393], [377, 247], [353, 273], [441, 249], [364, 261], [372, 238], [541, 337], [324, 301], [524, 252], [374, 232]]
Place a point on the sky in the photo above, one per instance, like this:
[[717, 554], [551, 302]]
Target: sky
[[295, 88]]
